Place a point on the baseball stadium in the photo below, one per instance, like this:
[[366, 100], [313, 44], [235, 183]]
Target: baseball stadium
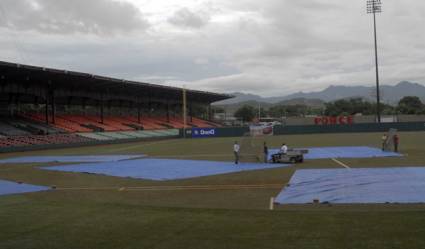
[[96, 162]]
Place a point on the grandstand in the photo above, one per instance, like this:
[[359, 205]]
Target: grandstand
[[44, 106]]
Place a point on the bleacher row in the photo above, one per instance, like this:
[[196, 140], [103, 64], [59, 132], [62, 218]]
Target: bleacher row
[[30, 129], [91, 123], [106, 136], [29, 140], [78, 138]]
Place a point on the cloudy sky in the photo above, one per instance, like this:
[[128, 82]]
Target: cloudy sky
[[269, 47]]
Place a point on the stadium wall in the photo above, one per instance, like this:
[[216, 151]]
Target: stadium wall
[[364, 119], [313, 129], [366, 127]]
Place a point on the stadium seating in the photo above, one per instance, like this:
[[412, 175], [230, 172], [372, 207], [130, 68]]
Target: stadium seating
[[203, 123], [105, 136], [91, 123], [123, 123], [30, 129], [36, 128], [8, 129], [87, 122], [60, 123], [148, 123], [18, 141]]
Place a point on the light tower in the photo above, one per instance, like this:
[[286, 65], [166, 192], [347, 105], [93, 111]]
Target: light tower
[[373, 7]]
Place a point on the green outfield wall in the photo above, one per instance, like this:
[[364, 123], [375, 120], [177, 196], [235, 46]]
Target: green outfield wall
[[316, 129], [371, 127]]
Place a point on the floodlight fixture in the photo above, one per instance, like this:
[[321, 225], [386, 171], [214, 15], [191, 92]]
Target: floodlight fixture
[[374, 6]]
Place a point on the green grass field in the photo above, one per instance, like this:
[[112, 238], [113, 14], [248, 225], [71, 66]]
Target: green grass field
[[104, 216]]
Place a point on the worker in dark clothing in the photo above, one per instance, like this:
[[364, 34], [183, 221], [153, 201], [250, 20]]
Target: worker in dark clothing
[[396, 141], [266, 153]]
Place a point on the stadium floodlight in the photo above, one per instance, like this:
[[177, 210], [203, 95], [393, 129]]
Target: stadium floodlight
[[373, 7]]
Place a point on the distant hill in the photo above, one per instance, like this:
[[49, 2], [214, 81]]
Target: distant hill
[[389, 94], [302, 101], [240, 98], [231, 108]]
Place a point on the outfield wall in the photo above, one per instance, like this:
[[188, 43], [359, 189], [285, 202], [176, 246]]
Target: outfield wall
[[310, 129], [368, 127], [364, 119]]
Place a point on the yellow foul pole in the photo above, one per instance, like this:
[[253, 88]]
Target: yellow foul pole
[[184, 112]]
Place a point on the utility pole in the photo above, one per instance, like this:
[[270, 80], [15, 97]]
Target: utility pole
[[373, 7], [259, 112]]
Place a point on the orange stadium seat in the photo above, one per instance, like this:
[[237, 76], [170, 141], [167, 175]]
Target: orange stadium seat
[[90, 123]]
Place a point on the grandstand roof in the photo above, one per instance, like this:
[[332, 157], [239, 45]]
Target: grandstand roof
[[61, 79]]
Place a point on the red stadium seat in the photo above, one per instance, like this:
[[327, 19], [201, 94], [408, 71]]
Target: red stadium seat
[[20, 141]]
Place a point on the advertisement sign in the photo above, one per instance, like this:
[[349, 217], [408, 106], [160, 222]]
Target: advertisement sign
[[203, 132], [341, 120]]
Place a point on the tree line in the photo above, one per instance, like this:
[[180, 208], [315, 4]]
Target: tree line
[[407, 105]]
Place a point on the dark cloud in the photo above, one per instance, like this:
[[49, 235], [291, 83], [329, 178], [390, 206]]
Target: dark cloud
[[71, 16], [271, 47], [188, 19]]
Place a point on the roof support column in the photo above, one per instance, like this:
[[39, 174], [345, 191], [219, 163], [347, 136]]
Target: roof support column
[[209, 112], [46, 103], [191, 112], [150, 107], [52, 95], [139, 113], [168, 111], [101, 109]]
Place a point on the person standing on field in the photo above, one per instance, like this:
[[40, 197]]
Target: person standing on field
[[396, 141], [266, 153], [236, 149], [384, 142], [284, 149]]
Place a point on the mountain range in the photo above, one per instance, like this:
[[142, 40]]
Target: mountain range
[[389, 94]]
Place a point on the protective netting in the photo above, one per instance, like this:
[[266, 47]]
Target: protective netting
[[389, 143], [250, 150]]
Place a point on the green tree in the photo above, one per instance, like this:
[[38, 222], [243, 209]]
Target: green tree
[[410, 105], [386, 109], [349, 107], [292, 111], [277, 111], [246, 113]]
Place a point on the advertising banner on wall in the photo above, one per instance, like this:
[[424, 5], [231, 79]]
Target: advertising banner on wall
[[340, 120], [204, 132]]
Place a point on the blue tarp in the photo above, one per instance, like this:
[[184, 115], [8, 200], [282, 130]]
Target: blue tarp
[[365, 185], [8, 188], [163, 169], [69, 159], [343, 152]]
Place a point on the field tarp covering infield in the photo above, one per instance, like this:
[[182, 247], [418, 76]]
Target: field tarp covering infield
[[69, 159], [8, 188], [163, 169], [359, 186], [343, 152]]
